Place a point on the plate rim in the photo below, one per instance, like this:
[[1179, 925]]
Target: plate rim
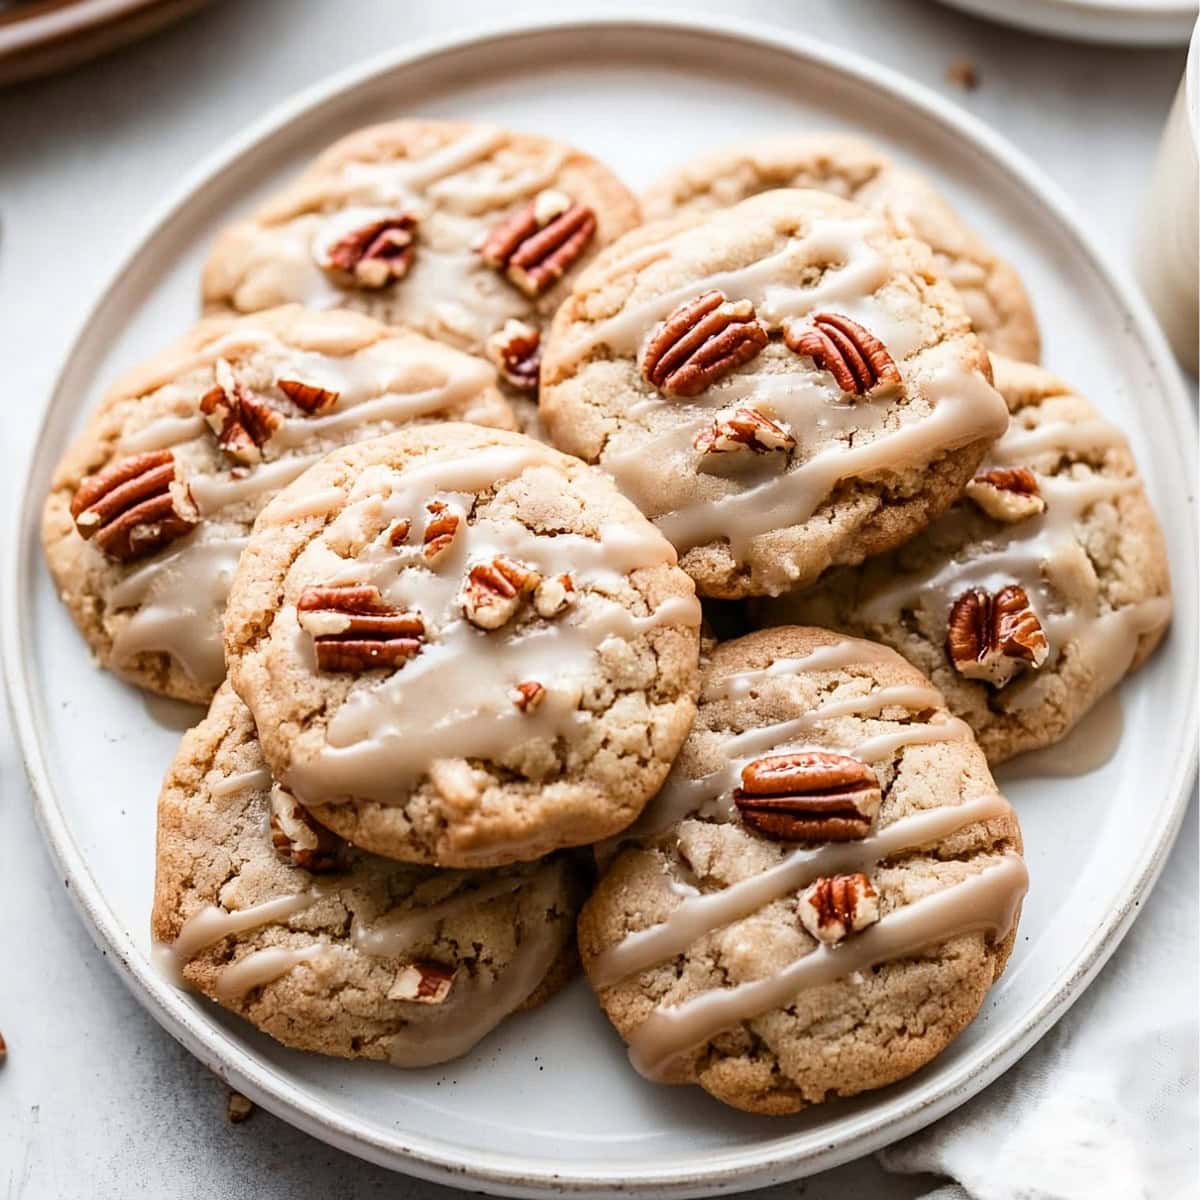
[[509, 1174], [1163, 24]]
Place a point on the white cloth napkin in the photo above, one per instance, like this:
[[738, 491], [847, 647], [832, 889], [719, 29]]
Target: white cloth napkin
[[1105, 1106]]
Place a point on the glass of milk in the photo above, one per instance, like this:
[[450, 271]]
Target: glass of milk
[[1168, 262]]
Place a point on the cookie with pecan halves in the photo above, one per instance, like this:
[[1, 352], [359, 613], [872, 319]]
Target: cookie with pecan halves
[[781, 386], [464, 648], [823, 892]]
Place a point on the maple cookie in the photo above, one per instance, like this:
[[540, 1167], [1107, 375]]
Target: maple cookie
[[1037, 592], [854, 169], [781, 386], [152, 504], [467, 233], [824, 891], [472, 651], [330, 949]]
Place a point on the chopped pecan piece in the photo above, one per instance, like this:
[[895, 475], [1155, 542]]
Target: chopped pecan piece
[[744, 429], [354, 630], [701, 341], [528, 695], [297, 838], [423, 982], [516, 353], [553, 595], [540, 242], [398, 532], [854, 356], [134, 507], [493, 591], [307, 396], [808, 796], [238, 1108], [993, 637], [242, 422], [1007, 493], [375, 255], [838, 905], [440, 530]]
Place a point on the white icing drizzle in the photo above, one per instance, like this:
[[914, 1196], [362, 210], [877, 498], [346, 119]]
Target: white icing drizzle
[[837, 440], [1039, 553], [263, 966], [178, 598], [712, 795], [984, 903], [242, 781], [164, 433], [455, 699], [702, 912], [212, 493]]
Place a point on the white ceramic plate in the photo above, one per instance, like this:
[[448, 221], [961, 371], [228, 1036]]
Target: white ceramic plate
[[549, 1103], [1124, 22], [41, 36]]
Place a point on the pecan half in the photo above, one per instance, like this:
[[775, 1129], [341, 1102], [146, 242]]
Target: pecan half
[[808, 796], [539, 243], [854, 356], [307, 396], [423, 982], [993, 637], [440, 530], [700, 341], [297, 838], [242, 422], [375, 255], [354, 630], [134, 507], [528, 695], [516, 353], [838, 905], [1007, 493], [553, 595], [744, 429], [493, 591]]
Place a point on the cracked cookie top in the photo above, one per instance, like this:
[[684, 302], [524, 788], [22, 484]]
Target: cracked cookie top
[[823, 892], [1037, 592], [854, 169], [781, 386], [325, 947], [465, 232], [152, 504], [462, 647]]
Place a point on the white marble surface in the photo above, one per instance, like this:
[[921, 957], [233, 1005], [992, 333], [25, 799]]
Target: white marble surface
[[95, 1100]]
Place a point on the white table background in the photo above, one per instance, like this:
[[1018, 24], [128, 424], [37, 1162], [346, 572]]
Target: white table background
[[95, 1100]]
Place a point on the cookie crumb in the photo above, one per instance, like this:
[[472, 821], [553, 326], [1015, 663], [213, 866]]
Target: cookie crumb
[[239, 1108], [962, 73]]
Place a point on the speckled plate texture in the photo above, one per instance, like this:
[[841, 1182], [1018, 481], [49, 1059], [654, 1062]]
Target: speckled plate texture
[[548, 1105]]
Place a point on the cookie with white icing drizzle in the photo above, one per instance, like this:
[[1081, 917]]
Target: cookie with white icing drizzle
[[1057, 537], [327, 948], [152, 504], [476, 651], [854, 169], [465, 232], [823, 893], [781, 386]]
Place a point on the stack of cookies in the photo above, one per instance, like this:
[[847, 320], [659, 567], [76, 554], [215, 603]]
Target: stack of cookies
[[431, 508]]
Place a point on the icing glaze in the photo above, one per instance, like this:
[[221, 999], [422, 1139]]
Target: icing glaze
[[455, 699], [949, 407], [985, 903]]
